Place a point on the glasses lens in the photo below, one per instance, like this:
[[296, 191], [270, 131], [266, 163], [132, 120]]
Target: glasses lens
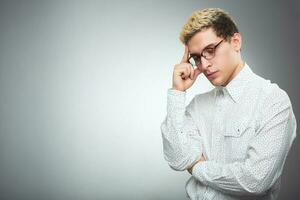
[[209, 53], [194, 60]]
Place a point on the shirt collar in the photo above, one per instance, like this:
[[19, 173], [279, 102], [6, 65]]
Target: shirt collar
[[236, 86]]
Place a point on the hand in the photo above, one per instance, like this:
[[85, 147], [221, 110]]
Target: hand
[[200, 160], [184, 75]]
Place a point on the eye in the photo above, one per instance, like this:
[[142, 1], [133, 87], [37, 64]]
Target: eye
[[196, 58], [209, 50]]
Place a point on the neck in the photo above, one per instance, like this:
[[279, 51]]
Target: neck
[[237, 69]]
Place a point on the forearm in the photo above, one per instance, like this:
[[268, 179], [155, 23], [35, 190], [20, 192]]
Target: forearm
[[182, 143], [234, 178]]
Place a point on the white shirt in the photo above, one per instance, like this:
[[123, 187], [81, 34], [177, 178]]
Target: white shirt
[[244, 130]]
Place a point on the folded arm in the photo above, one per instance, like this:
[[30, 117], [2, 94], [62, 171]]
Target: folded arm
[[265, 158], [182, 142]]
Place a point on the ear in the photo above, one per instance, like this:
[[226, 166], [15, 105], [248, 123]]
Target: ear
[[236, 41]]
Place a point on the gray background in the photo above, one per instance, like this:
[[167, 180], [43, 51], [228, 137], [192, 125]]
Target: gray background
[[83, 92]]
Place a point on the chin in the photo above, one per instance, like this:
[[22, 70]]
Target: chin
[[217, 82]]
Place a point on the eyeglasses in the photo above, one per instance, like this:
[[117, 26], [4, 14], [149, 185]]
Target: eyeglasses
[[208, 53]]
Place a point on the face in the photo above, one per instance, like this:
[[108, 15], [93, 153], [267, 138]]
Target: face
[[221, 69]]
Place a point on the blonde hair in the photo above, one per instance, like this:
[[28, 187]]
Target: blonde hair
[[218, 19]]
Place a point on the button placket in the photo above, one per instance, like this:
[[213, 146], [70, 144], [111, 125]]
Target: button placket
[[217, 126], [219, 97]]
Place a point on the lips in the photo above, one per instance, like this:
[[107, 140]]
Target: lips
[[210, 75]]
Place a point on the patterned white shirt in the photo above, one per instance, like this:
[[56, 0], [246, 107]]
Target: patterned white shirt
[[244, 130]]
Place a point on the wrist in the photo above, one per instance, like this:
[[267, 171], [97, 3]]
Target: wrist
[[174, 88]]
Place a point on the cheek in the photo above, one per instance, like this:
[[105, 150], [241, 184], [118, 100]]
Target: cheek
[[223, 59], [225, 62], [224, 69]]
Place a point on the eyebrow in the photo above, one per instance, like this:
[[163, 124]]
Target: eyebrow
[[197, 54]]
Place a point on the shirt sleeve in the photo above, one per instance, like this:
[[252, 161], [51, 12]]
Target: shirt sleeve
[[265, 158], [182, 142]]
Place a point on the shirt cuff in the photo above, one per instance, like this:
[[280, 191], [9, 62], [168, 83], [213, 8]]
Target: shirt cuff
[[176, 98], [176, 92]]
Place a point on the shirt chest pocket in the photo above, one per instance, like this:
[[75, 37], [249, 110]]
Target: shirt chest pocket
[[237, 136]]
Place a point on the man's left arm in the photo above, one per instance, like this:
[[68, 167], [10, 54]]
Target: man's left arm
[[265, 158]]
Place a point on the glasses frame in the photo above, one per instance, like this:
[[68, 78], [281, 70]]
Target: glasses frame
[[201, 55]]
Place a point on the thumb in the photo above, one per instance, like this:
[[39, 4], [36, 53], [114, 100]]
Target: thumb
[[197, 71]]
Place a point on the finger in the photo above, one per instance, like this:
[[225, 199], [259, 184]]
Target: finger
[[185, 72], [191, 72], [185, 55], [202, 158], [197, 71]]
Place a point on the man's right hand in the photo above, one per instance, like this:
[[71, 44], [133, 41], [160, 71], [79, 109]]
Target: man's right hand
[[184, 75]]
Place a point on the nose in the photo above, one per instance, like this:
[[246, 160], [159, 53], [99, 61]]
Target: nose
[[205, 63]]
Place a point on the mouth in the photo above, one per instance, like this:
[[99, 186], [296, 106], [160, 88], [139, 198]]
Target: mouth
[[212, 75]]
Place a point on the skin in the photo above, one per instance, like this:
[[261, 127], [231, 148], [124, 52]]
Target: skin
[[227, 63]]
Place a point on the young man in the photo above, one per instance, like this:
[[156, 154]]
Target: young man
[[234, 139]]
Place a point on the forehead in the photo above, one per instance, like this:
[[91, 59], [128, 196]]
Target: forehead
[[202, 39]]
